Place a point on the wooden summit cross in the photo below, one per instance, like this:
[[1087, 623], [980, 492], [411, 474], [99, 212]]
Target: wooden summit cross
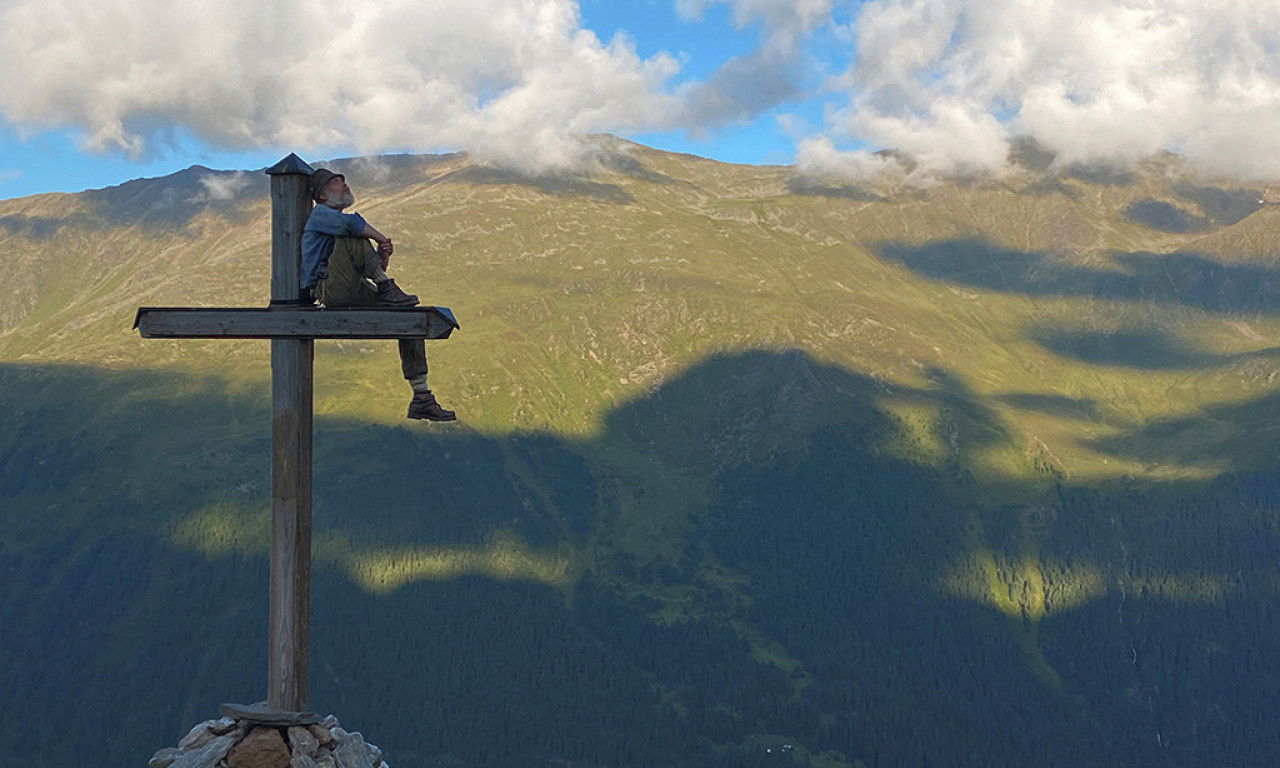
[[292, 329]]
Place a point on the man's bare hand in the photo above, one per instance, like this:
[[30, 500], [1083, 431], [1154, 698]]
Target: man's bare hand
[[385, 249]]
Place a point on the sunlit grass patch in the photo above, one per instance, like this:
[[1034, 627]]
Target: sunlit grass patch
[[222, 530], [504, 557]]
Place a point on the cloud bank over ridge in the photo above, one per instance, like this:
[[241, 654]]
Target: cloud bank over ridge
[[515, 81], [948, 82]]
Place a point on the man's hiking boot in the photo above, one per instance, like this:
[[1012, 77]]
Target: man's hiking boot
[[424, 406], [390, 295]]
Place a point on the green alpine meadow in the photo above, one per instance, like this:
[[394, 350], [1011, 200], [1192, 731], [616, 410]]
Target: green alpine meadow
[[750, 469]]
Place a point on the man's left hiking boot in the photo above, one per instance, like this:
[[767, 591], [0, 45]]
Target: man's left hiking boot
[[390, 295], [424, 406]]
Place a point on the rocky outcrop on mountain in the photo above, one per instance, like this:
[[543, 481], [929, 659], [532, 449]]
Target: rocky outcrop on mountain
[[233, 743]]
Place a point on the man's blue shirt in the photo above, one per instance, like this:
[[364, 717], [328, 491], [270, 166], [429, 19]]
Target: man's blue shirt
[[322, 227]]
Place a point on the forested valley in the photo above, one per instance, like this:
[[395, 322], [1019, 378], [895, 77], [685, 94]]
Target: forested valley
[[832, 605]]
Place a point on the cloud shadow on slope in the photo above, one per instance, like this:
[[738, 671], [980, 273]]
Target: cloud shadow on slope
[[1221, 434], [1210, 207], [1187, 279], [1180, 279], [1146, 349], [44, 227], [172, 202]]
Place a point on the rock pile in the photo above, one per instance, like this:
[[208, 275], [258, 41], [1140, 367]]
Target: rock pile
[[231, 743]]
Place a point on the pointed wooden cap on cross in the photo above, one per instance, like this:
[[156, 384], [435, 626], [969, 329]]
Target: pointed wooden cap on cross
[[291, 164]]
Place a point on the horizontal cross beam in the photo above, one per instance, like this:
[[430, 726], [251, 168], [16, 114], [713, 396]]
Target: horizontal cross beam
[[294, 323]]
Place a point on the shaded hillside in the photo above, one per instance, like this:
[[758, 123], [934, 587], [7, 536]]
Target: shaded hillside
[[481, 599], [752, 470]]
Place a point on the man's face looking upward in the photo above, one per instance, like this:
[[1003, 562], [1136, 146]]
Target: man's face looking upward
[[337, 194]]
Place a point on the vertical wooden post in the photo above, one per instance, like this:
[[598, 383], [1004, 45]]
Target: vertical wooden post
[[288, 632]]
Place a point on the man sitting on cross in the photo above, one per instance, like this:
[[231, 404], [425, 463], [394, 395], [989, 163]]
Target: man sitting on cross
[[340, 268]]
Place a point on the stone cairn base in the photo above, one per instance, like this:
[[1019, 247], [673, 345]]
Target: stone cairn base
[[232, 743]]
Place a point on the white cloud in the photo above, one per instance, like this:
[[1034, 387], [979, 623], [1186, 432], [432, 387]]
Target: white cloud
[[817, 156], [949, 81], [225, 186], [518, 83]]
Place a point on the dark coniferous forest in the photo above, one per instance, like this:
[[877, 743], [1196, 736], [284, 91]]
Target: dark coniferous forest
[[811, 612]]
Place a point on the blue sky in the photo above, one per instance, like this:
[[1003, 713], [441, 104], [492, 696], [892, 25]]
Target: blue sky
[[98, 92]]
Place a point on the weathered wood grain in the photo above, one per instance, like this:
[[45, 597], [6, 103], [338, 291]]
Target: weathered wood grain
[[294, 322], [290, 207], [289, 608], [292, 374]]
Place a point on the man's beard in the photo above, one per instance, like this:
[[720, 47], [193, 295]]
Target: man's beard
[[341, 201]]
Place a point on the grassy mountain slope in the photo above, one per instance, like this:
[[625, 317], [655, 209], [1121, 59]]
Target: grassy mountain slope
[[972, 475]]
